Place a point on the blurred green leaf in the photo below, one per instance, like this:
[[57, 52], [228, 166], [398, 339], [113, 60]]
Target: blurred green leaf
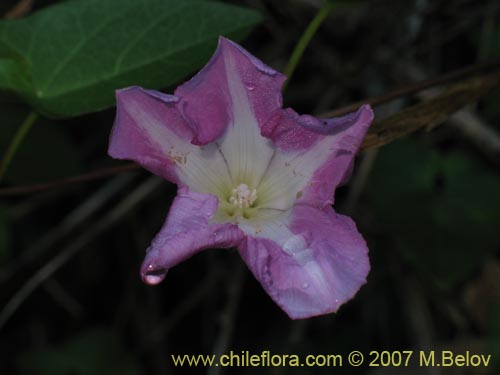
[[46, 153], [93, 352], [491, 46], [442, 209], [68, 59], [492, 109], [344, 2]]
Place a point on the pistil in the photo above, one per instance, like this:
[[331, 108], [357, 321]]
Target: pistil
[[242, 196]]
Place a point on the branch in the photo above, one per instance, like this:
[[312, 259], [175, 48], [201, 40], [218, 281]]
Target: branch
[[19, 10], [44, 273], [432, 112], [418, 86], [101, 173]]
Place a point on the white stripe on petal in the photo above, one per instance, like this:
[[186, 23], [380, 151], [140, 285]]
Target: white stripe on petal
[[246, 151], [203, 169], [290, 172]]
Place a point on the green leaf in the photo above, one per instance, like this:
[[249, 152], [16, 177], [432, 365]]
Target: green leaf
[[442, 209], [68, 59], [90, 353]]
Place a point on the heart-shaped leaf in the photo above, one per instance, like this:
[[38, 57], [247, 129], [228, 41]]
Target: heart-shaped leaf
[[68, 59]]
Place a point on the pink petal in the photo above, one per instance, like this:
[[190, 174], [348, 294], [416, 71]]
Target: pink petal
[[186, 232], [147, 127], [309, 165], [290, 131], [318, 269], [206, 101], [329, 146], [349, 132]]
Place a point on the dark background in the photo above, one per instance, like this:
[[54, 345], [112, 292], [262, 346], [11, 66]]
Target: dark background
[[427, 204]]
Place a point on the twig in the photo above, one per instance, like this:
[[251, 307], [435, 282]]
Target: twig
[[100, 173], [469, 125], [486, 140], [44, 273], [16, 142], [294, 337], [228, 316], [19, 10], [81, 213], [66, 300], [432, 112], [184, 307], [359, 181], [419, 86]]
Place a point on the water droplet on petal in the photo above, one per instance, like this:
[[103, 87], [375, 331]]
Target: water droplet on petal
[[295, 244], [305, 286], [249, 83], [153, 277]]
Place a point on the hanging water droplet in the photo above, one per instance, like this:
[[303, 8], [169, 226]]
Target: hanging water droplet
[[250, 87], [152, 276]]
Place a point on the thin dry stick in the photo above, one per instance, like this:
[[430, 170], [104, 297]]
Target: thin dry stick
[[193, 299], [19, 10], [359, 181], [64, 298], [432, 112], [44, 273], [101, 173], [476, 131], [470, 125], [71, 221], [228, 317], [419, 86]]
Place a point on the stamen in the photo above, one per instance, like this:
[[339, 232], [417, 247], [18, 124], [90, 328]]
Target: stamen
[[242, 196]]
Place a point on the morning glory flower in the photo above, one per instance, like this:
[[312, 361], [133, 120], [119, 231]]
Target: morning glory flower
[[250, 175]]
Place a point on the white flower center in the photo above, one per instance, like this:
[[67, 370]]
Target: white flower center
[[242, 196]]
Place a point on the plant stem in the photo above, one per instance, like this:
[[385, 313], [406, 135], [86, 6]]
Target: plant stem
[[16, 142], [91, 176], [305, 39]]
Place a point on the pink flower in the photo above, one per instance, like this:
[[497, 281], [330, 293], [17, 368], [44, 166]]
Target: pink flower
[[250, 175]]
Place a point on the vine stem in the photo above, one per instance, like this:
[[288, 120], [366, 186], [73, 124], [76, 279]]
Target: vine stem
[[305, 39], [16, 142]]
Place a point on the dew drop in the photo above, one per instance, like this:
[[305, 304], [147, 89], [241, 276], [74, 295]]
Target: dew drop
[[305, 286], [294, 244], [249, 84], [152, 276]]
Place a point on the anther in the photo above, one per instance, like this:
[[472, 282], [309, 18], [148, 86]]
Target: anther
[[242, 196]]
